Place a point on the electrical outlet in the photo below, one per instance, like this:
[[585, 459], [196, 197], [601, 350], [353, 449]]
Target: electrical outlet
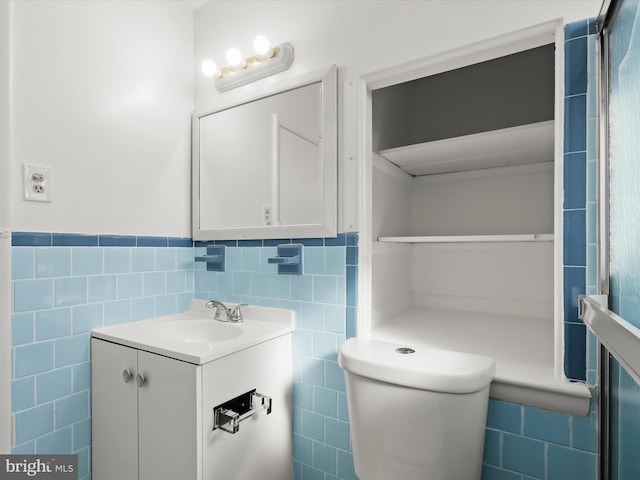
[[266, 211], [37, 183]]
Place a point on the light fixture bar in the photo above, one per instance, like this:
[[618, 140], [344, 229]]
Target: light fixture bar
[[257, 67]]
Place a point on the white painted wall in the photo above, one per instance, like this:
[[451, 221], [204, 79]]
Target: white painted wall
[[5, 243], [360, 37], [102, 93]]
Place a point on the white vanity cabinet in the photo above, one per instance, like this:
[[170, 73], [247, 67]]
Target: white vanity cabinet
[[154, 415], [143, 429]]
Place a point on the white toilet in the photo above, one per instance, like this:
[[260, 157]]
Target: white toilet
[[416, 413]]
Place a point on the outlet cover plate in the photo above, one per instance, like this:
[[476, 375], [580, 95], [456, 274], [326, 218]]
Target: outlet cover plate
[[37, 183]]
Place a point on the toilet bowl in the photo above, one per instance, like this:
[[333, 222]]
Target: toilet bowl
[[416, 413]]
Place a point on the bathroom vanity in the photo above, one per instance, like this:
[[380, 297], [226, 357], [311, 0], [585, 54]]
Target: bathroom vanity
[[186, 396]]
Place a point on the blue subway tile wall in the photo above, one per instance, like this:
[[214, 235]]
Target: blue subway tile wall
[[525, 443], [579, 251], [64, 285], [324, 298]]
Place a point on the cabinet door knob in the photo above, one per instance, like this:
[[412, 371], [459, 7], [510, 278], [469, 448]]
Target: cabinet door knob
[[127, 375], [140, 380]]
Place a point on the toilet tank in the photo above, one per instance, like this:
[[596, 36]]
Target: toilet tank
[[416, 413]]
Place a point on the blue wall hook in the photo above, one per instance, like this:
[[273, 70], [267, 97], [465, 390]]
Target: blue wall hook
[[289, 259], [215, 258]]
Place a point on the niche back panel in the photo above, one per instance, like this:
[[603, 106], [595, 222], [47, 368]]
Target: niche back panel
[[506, 200], [477, 98]]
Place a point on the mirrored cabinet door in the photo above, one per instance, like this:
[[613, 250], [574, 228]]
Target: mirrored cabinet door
[[267, 167]]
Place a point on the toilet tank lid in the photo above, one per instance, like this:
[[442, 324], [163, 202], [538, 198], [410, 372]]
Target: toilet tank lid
[[426, 368]]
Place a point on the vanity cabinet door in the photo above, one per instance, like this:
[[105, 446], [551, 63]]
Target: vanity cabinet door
[[146, 415], [168, 406], [114, 411]]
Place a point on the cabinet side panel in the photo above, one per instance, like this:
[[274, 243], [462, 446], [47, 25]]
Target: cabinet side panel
[[391, 199], [114, 412], [262, 447], [391, 292]]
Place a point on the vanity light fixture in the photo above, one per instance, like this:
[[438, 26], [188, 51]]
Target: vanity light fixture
[[235, 60], [210, 69], [267, 61]]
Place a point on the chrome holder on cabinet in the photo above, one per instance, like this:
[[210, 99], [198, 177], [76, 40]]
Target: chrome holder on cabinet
[[227, 416]]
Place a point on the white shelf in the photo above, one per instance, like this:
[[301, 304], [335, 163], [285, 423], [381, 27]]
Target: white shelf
[[527, 237], [524, 364], [498, 148]]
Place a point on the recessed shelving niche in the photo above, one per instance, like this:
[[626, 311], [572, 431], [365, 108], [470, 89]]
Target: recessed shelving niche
[[466, 218]]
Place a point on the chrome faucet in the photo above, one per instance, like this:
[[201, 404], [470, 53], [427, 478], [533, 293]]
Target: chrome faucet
[[221, 313], [224, 314]]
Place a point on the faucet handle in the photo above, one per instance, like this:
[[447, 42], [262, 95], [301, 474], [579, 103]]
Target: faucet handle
[[236, 313]]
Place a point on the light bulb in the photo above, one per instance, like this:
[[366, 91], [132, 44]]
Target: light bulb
[[210, 69], [262, 46], [234, 57]]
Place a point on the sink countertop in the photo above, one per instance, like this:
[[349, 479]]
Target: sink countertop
[[195, 337]]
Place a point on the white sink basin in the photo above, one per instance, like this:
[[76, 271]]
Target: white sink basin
[[195, 330], [195, 337]]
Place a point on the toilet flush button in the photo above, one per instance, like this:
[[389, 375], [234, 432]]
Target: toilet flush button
[[405, 350]]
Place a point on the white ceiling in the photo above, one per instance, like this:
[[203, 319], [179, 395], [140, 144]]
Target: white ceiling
[[195, 3]]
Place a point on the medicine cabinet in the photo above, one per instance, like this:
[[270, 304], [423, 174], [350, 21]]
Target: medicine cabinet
[[266, 166]]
